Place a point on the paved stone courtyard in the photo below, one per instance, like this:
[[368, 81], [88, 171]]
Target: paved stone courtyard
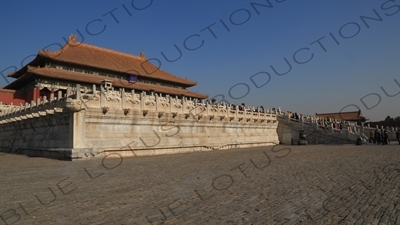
[[343, 184]]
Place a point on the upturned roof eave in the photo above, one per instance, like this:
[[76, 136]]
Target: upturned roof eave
[[23, 69]]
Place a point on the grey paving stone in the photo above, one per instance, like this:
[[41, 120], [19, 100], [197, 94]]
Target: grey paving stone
[[311, 185]]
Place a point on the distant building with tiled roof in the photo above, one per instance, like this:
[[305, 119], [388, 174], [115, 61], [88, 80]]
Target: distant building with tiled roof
[[85, 64], [383, 124], [353, 116]]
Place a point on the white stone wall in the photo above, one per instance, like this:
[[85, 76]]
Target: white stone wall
[[109, 122], [49, 133], [138, 134]]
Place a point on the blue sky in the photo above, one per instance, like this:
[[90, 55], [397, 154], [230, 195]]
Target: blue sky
[[352, 58]]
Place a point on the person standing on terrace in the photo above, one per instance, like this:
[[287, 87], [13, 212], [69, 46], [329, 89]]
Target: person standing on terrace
[[371, 137]]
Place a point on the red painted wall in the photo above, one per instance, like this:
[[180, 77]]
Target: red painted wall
[[8, 96], [12, 97], [29, 95]]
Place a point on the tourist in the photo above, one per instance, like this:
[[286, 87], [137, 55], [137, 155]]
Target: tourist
[[398, 136], [371, 137], [214, 103], [385, 138], [242, 107], [378, 136]]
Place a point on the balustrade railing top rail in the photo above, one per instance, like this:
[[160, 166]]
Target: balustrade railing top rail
[[108, 98]]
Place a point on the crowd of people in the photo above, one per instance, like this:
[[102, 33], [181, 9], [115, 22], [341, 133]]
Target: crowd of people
[[381, 137], [377, 136], [241, 107], [293, 115]]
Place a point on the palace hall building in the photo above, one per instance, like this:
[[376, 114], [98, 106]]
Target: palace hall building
[[86, 65], [353, 116]]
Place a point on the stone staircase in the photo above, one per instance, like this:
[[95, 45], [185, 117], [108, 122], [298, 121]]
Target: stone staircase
[[322, 131]]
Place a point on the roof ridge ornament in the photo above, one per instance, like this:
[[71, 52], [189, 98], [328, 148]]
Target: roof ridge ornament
[[142, 55], [72, 37], [71, 42]]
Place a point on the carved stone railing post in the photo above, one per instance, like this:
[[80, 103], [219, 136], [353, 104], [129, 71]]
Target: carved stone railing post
[[102, 96], [68, 92], [123, 101], [348, 131], [301, 120], [59, 95], [52, 97], [142, 97], [170, 103], [183, 101], [32, 104], [78, 91], [157, 103]]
